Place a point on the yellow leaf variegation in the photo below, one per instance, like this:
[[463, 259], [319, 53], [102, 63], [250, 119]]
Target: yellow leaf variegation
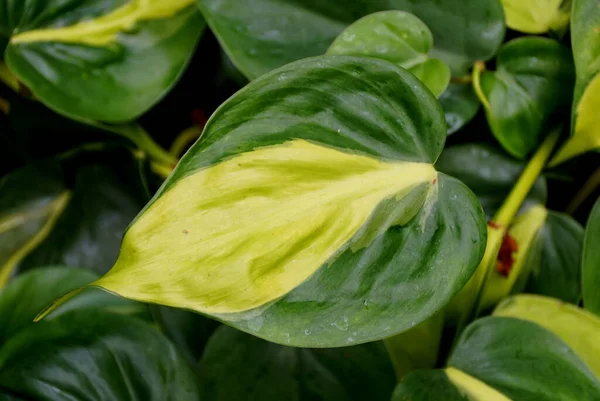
[[536, 16], [257, 225], [473, 388], [104, 30]]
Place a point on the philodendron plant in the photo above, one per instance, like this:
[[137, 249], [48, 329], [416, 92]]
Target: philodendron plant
[[391, 200]]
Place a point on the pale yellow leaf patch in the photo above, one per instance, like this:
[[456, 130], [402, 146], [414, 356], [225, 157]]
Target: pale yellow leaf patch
[[535, 16], [473, 388]]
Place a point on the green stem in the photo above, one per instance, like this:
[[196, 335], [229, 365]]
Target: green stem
[[478, 68], [184, 139], [588, 188], [8, 77]]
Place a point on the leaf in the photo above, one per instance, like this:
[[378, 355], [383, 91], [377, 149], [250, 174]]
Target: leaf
[[28, 294], [460, 105], [31, 199], [546, 261], [489, 173], [187, 330], [538, 16], [88, 233], [95, 354], [313, 206], [533, 81], [575, 326], [266, 34], [591, 262], [398, 37], [82, 57], [277, 372], [585, 40], [503, 359]]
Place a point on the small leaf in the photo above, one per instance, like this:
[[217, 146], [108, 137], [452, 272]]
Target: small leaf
[[460, 105], [533, 80], [538, 16], [585, 120], [25, 296], [95, 354], [277, 372], [591, 262], [82, 60], [489, 173], [398, 37], [576, 327], [504, 359], [335, 214]]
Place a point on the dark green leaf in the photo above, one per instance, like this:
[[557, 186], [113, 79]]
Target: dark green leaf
[[83, 60], [28, 294], [266, 34], [460, 105], [591, 262], [237, 366], [489, 173], [94, 355], [533, 80], [384, 278]]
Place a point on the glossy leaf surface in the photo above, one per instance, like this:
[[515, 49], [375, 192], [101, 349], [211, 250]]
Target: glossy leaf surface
[[398, 37], [336, 216], [266, 34], [460, 105], [489, 173], [278, 372], [28, 294], [82, 58], [585, 120], [95, 354], [533, 80], [504, 359], [591, 262], [575, 326]]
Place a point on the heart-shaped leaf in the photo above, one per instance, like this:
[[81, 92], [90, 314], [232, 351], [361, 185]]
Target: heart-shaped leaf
[[591, 262], [504, 359], [97, 354], [576, 327], [266, 34], [544, 258], [312, 207], [585, 121], [82, 58], [28, 294], [533, 79], [489, 173], [277, 372], [399, 37], [538, 16]]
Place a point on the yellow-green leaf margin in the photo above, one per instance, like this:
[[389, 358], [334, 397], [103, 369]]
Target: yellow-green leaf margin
[[310, 213]]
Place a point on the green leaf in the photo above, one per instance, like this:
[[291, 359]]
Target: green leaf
[[460, 105], [28, 294], [339, 230], [31, 200], [533, 80], [398, 37], [266, 34], [82, 58], [538, 16], [95, 354], [504, 359], [575, 326], [237, 366], [591, 262], [489, 173], [187, 330], [585, 40]]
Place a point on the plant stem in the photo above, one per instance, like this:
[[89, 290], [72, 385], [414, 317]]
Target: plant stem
[[4, 106], [8, 77], [588, 188], [184, 138], [478, 68]]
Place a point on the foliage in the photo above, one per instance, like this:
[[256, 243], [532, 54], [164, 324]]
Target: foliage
[[360, 201]]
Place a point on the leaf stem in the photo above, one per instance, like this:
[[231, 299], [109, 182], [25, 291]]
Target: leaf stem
[[588, 188], [8, 77], [4, 106], [478, 68], [184, 138]]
